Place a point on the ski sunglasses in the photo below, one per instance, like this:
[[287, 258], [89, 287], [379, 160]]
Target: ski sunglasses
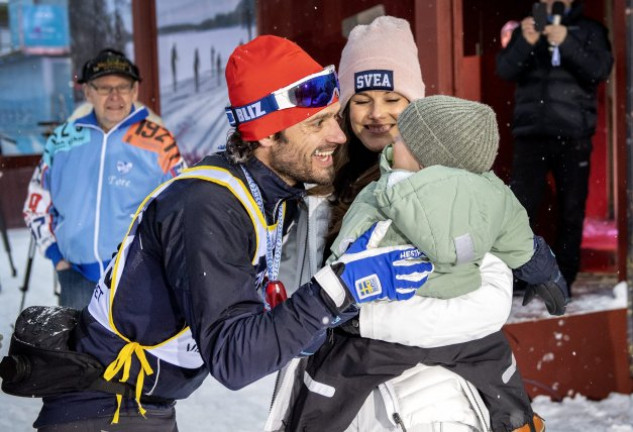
[[313, 91]]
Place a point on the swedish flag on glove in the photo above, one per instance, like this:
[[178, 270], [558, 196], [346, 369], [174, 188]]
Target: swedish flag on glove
[[370, 272]]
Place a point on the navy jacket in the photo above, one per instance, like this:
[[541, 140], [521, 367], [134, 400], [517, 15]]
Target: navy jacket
[[190, 265]]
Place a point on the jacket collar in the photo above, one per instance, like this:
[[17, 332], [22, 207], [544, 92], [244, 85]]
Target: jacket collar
[[135, 116], [386, 159], [273, 189]]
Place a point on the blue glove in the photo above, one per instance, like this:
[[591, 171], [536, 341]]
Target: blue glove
[[370, 272]]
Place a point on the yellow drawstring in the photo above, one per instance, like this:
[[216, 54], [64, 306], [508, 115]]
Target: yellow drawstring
[[124, 360]]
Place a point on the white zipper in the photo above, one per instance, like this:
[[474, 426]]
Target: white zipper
[[104, 142], [311, 240], [392, 406], [481, 411], [95, 243], [156, 377], [281, 396]]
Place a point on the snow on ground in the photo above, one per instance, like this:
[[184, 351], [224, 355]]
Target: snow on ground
[[214, 408], [582, 303]]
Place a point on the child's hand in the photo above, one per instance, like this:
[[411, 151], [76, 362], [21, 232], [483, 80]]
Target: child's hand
[[554, 293]]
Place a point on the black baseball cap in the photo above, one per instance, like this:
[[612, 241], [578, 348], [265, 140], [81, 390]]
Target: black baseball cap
[[108, 62]]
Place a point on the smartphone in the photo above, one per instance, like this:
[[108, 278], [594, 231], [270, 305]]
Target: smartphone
[[539, 13]]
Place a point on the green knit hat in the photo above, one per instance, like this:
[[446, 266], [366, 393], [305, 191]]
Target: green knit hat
[[445, 130]]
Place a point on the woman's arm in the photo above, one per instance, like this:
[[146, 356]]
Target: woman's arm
[[429, 322]]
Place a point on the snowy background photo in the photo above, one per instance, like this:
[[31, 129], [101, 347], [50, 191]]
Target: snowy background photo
[[195, 39], [212, 408]]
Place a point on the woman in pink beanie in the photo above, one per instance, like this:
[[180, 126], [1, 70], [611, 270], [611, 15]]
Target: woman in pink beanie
[[380, 75]]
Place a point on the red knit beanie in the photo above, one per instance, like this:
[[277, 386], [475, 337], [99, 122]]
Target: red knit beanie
[[260, 67]]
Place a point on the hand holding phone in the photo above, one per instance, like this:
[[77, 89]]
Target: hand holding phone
[[539, 13], [528, 31]]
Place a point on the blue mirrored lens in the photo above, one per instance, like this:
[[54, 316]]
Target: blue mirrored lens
[[316, 92]]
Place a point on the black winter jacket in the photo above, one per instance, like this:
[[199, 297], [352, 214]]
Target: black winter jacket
[[558, 101]]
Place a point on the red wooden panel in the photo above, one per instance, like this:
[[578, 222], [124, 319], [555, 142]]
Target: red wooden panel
[[316, 25], [584, 354], [15, 173], [618, 104], [601, 175], [146, 51], [471, 78]]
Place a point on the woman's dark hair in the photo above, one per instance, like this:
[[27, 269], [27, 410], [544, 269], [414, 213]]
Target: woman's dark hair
[[356, 166]]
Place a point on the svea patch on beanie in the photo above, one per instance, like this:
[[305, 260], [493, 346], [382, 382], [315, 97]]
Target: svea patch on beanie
[[381, 56]]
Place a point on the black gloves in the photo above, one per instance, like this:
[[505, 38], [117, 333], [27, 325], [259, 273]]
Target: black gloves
[[544, 279], [555, 294]]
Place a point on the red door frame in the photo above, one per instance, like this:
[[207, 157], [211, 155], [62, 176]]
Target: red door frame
[[146, 51], [434, 27], [618, 27]]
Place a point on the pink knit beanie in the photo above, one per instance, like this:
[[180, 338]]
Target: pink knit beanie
[[381, 56]]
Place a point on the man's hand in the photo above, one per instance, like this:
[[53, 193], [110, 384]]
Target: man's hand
[[369, 272], [556, 34], [62, 265], [555, 294], [529, 30]]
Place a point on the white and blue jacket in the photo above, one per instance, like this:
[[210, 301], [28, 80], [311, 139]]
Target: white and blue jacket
[[89, 183]]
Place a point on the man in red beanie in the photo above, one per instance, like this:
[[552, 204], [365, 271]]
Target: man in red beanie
[[193, 289]]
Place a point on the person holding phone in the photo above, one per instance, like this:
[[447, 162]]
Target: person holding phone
[[557, 67]]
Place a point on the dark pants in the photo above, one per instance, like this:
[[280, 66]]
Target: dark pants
[[158, 420], [568, 161], [354, 366], [76, 290]]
